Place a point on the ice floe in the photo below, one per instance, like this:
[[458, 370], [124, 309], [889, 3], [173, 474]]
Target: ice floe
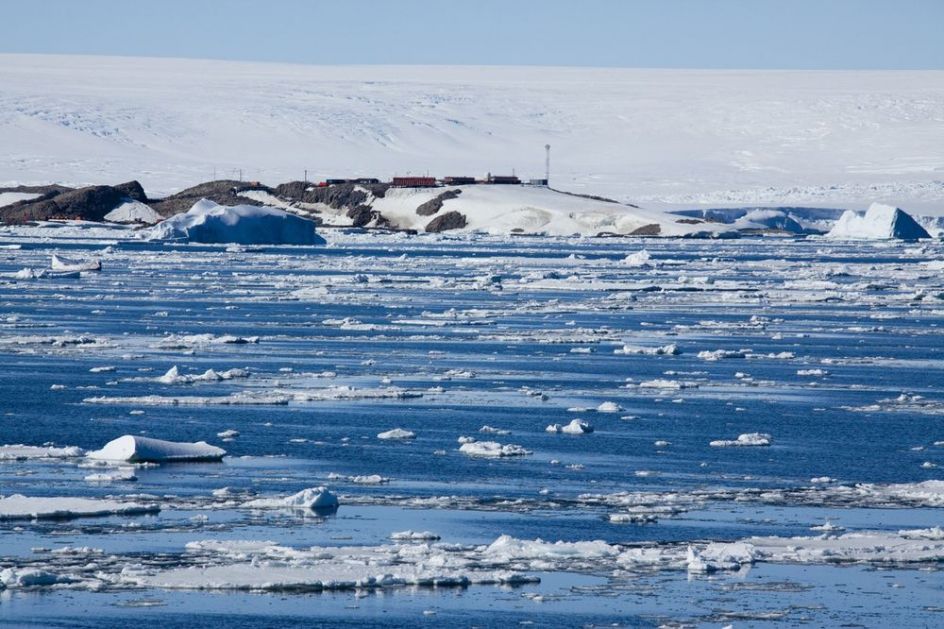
[[70, 265], [744, 440], [492, 449], [19, 507], [314, 498], [20, 452], [173, 376], [396, 434]]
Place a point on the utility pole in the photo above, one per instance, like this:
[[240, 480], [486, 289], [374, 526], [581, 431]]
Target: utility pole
[[547, 165], [306, 175], [240, 174]]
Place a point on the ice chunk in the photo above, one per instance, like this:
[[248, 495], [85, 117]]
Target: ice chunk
[[414, 536], [721, 354], [70, 265], [746, 439], [30, 577], [638, 259], [665, 350], [397, 434], [492, 449], [135, 449], [173, 376], [576, 427], [314, 498], [119, 475], [21, 452]]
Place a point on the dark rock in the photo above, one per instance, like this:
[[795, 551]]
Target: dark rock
[[435, 204], [447, 221], [340, 196], [364, 216], [90, 204], [592, 196], [222, 191], [45, 191], [132, 190], [647, 230], [361, 215]]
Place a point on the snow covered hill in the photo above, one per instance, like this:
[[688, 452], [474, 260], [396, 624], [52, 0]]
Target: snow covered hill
[[498, 210], [673, 137]]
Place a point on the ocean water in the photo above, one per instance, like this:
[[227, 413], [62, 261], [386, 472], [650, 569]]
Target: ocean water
[[832, 349]]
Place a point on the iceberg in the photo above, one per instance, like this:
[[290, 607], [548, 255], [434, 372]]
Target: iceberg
[[209, 222], [135, 449], [879, 222]]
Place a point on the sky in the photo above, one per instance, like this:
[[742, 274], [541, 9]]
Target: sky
[[724, 34]]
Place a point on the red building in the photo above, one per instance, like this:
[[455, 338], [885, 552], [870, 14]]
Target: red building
[[413, 182]]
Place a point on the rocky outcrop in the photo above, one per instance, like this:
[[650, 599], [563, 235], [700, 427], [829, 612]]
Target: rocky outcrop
[[364, 216], [221, 191], [340, 196], [360, 215], [447, 221], [44, 191], [132, 190], [647, 230], [435, 204], [91, 203]]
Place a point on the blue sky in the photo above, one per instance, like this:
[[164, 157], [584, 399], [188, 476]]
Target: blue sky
[[800, 34]]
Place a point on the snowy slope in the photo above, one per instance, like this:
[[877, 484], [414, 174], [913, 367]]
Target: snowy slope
[[506, 210], [678, 137]]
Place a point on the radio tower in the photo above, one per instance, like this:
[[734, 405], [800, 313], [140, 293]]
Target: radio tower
[[547, 165]]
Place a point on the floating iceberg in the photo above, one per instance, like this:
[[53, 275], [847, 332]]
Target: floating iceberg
[[314, 498], [746, 439], [209, 222], [135, 449], [575, 427], [397, 434], [69, 265], [879, 222], [492, 449]]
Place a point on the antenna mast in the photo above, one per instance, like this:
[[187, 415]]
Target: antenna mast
[[547, 165]]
